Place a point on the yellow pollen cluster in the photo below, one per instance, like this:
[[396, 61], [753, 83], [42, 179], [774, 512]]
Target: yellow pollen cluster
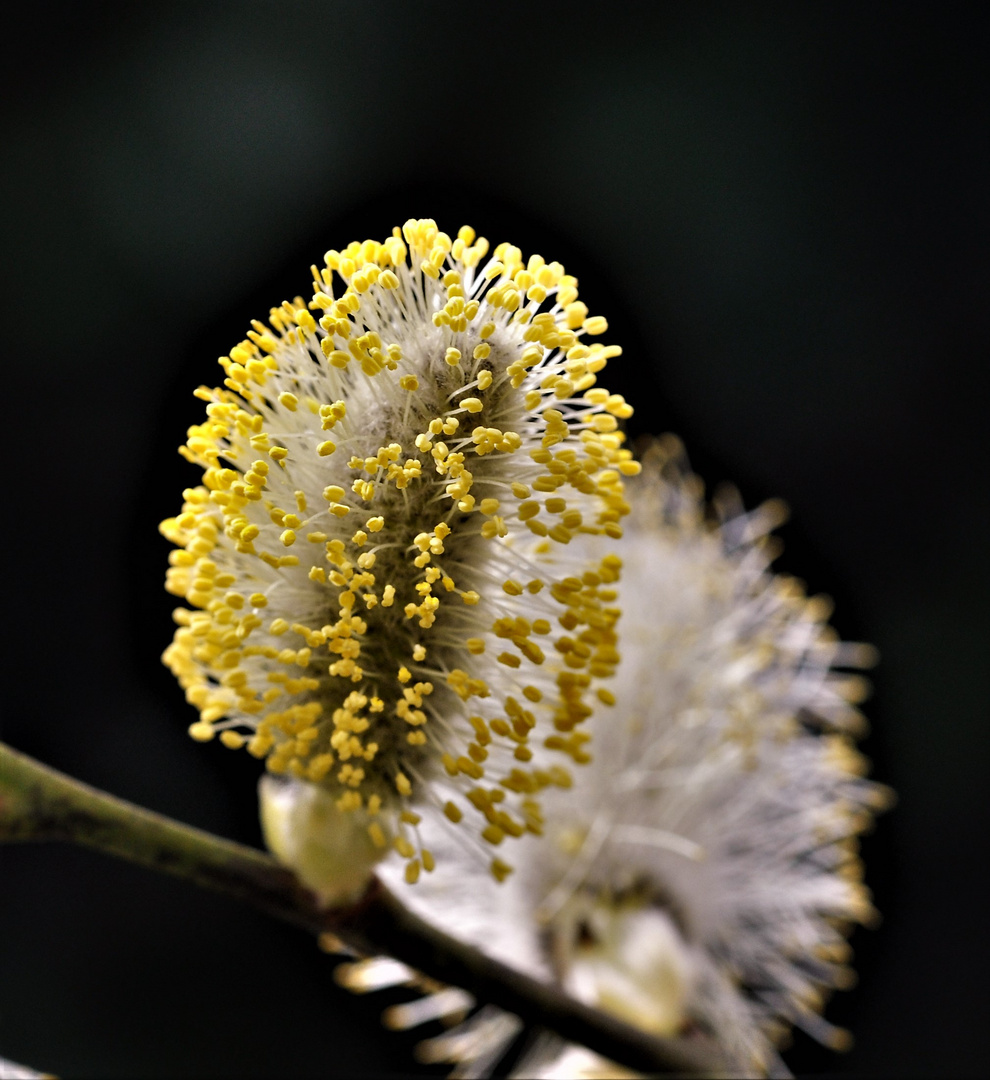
[[382, 599]]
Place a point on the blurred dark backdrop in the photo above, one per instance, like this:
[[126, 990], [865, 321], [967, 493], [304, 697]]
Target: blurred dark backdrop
[[782, 210]]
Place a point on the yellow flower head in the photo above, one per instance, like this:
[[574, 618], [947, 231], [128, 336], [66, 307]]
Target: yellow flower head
[[382, 598]]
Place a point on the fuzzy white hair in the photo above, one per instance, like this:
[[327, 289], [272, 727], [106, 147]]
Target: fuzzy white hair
[[701, 874]]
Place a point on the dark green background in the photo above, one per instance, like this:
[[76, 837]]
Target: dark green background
[[782, 210]]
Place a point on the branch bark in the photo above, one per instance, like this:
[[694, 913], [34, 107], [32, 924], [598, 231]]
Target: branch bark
[[38, 803]]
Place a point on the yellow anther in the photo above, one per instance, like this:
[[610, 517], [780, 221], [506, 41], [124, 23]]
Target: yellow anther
[[325, 448], [409, 382], [472, 404], [575, 314], [493, 834], [375, 524], [452, 357], [470, 768], [500, 870], [289, 401]]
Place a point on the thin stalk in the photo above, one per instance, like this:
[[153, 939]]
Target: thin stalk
[[38, 803]]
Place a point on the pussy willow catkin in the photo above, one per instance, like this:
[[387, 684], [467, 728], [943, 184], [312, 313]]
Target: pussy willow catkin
[[377, 568]]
